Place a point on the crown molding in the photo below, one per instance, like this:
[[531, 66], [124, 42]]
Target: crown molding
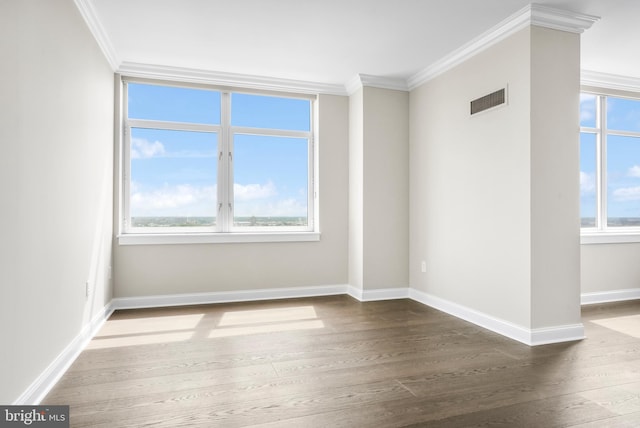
[[533, 14], [609, 81], [193, 75], [353, 85], [558, 19], [88, 12], [362, 80]]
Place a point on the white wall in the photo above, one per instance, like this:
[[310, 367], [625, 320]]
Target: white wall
[[470, 184], [555, 187], [356, 189], [386, 188], [610, 267], [378, 189], [150, 270], [56, 131], [494, 196]]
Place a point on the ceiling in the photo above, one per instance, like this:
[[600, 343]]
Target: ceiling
[[331, 41]]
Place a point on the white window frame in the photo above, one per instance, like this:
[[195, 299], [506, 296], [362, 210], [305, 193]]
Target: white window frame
[[224, 230], [601, 233]]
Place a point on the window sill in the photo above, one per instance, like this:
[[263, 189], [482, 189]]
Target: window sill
[[620, 237], [215, 238]]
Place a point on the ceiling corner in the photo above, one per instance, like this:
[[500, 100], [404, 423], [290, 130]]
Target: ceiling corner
[[361, 80]]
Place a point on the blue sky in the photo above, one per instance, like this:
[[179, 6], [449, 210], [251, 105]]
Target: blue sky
[[623, 158], [174, 173]]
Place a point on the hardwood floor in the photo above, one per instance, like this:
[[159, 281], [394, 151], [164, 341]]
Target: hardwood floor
[[336, 362]]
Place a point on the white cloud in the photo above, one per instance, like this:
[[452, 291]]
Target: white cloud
[[142, 149], [587, 107], [587, 115], [289, 207], [173, 200], [627, 194], [250, 192], [587, 183], [634, 171]]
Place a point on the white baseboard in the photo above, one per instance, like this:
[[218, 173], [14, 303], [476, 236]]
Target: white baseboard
[[499, 326], [226, 296], [610, 296], [36, 392], [378, 294], [557, 334], [531, 337]]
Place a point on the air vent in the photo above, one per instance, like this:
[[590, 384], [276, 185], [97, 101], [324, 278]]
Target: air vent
[[488, 101]]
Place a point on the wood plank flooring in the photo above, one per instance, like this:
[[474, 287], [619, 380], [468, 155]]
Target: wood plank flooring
[[337, 362]]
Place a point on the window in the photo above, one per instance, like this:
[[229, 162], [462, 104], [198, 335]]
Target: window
[[609, 164], [204, 160]]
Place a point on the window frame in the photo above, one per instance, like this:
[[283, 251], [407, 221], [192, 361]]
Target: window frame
[[223, 231], [602, 233]]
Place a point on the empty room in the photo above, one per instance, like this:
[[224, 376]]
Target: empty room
[[355, 213]]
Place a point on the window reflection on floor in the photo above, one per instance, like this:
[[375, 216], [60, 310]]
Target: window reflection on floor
[[629, 325], [211, 324]]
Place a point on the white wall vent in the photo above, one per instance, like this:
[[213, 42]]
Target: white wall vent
[[494, 99]]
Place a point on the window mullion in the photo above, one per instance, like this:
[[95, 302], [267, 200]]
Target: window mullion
[[125, 156], [224, 169], [602, 163]]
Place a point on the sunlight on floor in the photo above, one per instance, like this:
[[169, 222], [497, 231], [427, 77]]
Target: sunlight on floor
[[153, 324], [619, 399], [267, 315], [144, 339], [629, 325], [159, 329], [267, 321], [269, 328]]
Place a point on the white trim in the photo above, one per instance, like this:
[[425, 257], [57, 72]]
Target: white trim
[[610, 296], [226, 296], [558, 334], [215, 238], [532, 14], [362, 80], [378, 294], [609, 81], [88, 12], [385, 294], [192, 75], [558, 19], [531, 337], [353, 85], [499, 326], [355, 292], [588, 238], [41, 386], [257, 295]]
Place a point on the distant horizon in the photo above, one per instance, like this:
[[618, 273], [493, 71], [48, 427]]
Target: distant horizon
[[210, 221], [611, 221]]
